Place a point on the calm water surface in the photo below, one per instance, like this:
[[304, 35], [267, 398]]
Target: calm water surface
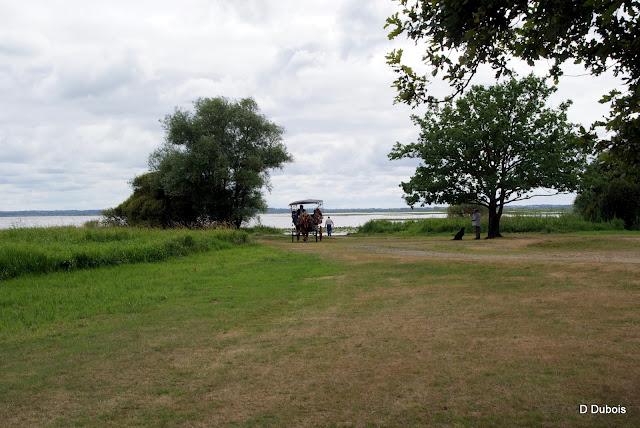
[[344, 219], [46, 221], [272, 220]]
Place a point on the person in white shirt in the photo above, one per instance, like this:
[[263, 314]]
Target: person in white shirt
[[329, 225], [475, 222]]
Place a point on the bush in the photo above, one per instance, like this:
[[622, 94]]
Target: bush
[[511, 224], [265, 230]]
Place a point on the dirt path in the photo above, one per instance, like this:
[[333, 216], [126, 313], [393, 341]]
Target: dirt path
[[549, 256], [535, 248]]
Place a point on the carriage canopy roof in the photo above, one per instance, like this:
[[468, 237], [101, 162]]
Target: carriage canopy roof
[[306, 201]]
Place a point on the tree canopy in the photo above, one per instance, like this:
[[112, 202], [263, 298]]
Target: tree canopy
[[493, 146], [460, 35], [213, 166], [610, 189]]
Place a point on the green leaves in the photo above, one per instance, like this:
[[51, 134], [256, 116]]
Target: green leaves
[[493, 145], [460, 35], [214, 164], [396, 24]]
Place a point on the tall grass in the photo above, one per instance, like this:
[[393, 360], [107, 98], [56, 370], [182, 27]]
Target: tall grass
[[41, 250], [514, 224], [266, 230]]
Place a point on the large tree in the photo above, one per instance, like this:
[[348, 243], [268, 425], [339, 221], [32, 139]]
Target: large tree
[[492, 147], [213, 166], [461, 35]]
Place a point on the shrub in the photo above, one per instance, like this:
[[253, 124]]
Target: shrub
[[509, 224]]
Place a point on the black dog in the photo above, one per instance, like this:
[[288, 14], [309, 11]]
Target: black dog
[[459, 235]]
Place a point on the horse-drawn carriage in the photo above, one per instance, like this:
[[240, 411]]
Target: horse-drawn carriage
[[306, 224]]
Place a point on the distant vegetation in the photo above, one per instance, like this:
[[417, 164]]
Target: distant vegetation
[[40, 250], [515, 224], [465, 210]]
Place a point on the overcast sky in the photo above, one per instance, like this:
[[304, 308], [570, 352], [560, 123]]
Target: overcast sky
[[83, 85]]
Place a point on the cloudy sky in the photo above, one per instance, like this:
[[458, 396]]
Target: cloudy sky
[[83, 85]]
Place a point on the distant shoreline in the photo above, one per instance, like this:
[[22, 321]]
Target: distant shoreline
[[70, 213]]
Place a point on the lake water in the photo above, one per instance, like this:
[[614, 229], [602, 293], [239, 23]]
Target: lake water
[[45, 221], [273, 220], [281, 221]]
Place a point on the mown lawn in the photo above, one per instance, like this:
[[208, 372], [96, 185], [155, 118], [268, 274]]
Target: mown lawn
[[351, 331]]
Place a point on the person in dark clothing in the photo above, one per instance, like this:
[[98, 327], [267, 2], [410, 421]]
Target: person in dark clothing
[[295, 215]]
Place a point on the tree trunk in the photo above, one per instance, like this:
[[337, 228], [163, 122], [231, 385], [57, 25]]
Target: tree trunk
[[494, 221]]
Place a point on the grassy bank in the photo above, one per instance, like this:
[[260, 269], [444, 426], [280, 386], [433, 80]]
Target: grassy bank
[[515, 224], [41, 250]]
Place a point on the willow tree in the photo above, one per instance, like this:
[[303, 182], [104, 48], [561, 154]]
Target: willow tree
[[493, 146], [214, 166]]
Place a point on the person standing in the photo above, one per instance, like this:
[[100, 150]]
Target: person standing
[[329, 225], [475, 222]]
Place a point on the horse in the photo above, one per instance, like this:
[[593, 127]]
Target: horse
[[308, 223], [304, 226]]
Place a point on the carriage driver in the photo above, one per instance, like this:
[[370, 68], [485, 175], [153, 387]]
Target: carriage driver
[[296, 214]]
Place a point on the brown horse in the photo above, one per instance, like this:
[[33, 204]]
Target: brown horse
[[304, 226], [308, 223]]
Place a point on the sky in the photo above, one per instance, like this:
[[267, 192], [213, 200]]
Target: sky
[[84, 85]]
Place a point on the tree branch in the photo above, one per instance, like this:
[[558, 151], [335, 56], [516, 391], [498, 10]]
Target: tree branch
[[523, 198]]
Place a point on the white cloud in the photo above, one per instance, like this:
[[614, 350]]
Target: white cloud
[[84, 85]]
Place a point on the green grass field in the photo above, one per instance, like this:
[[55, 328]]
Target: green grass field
[[40, 250], [378, 330]]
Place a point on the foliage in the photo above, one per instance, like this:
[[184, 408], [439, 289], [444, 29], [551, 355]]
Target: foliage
[[265, 230], [610, 189], [491, 147], [211, 169], [40, 250], [461, 35], [465, 210], [513, 224], [148, 205]]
